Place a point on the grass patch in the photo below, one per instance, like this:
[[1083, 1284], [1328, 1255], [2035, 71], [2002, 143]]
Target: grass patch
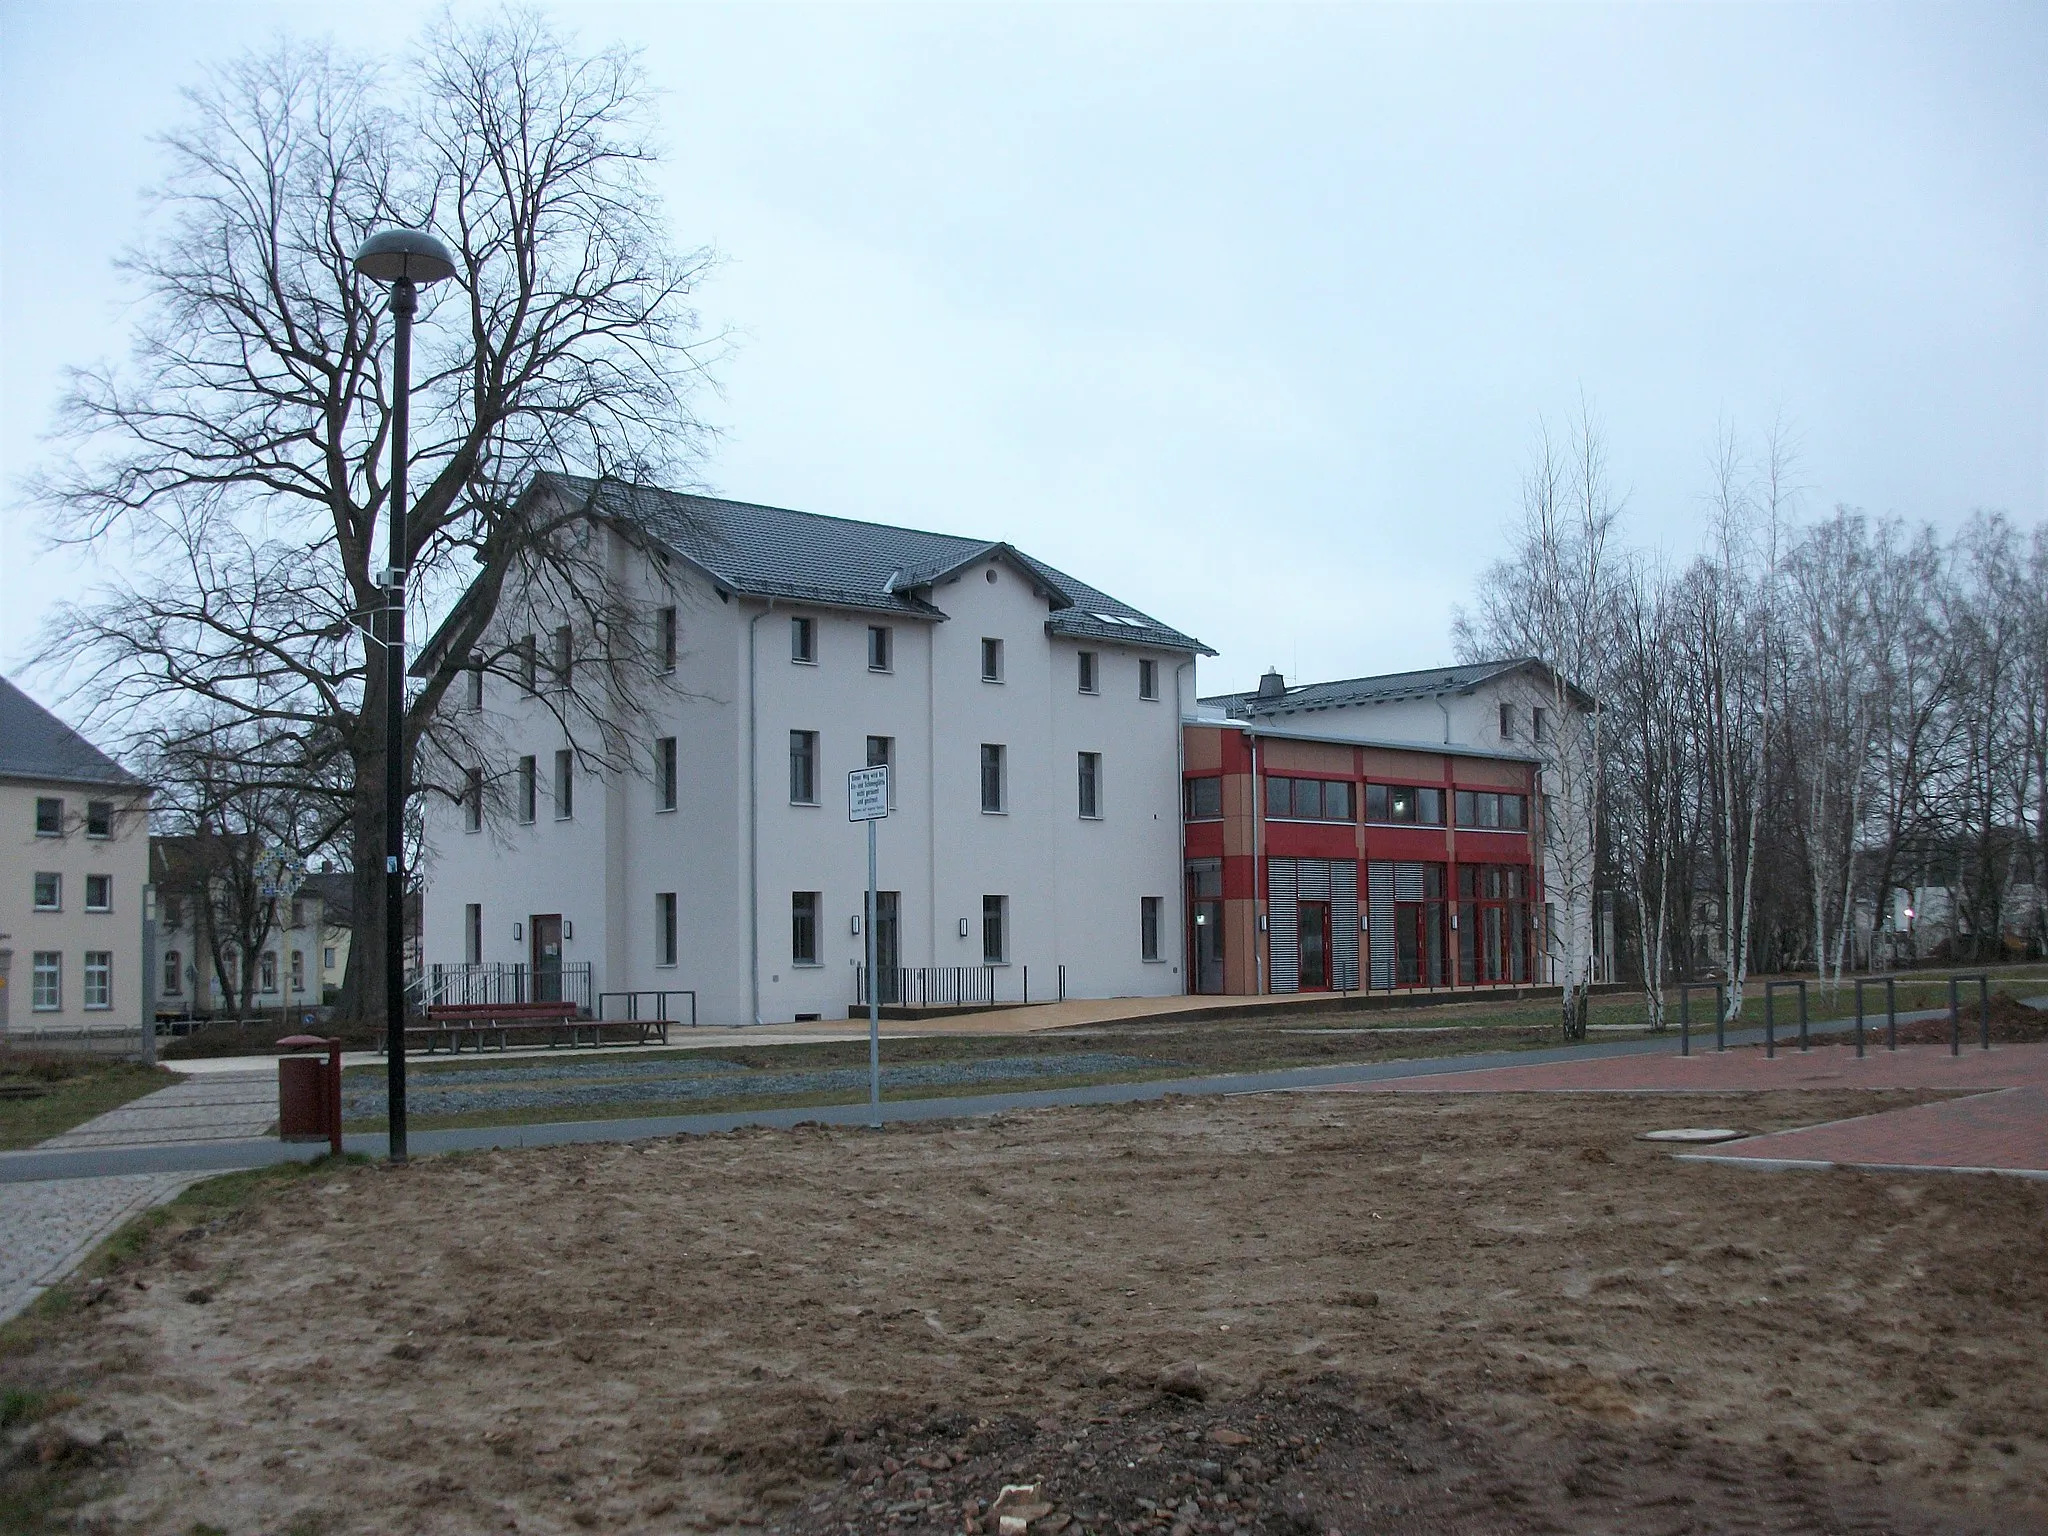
[[43, 1093]]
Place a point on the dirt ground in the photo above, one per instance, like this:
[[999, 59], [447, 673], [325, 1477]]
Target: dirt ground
[[1292, 1313]]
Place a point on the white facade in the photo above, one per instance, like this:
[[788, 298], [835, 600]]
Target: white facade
[[739, 846]]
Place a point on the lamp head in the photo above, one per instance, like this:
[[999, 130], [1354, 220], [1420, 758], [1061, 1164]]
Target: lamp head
[[393, 255]]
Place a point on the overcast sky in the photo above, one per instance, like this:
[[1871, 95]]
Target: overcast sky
[[1244, 315]]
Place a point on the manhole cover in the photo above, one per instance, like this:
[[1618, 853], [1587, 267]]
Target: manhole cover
[[1694, 1134]]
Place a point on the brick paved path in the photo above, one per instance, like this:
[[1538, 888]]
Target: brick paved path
[[2001, 1125], [220, 1106], [47, 1227]]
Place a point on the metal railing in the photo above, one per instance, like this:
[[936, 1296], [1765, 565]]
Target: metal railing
[[633, 1011], [1685, 992], [1955, 1017], [1771, 990], [1891, 1010], [474, 985], [947, 986]]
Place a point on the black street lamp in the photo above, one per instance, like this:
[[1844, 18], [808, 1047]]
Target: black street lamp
[[407, 259]]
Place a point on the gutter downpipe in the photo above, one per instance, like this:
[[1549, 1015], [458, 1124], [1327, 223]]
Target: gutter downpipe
[[1180, 855], [1258, 872], [1440, 704], [754, 811]]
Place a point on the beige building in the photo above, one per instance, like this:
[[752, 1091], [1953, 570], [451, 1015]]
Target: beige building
[[74, 861], [303, 955]]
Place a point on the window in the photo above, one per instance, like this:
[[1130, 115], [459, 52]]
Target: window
[[803, 927], [472, 803], [50, 814], [49, 892], [528, 773], [881, 648], [803, 767], [529, 663], [665, 639], [298, 913], [99, 978], [1404, 805], [882, 754], [1091, 673], [327, 955], [564, 655], [473, 688], [565, 784], [1205, 799], [298, 970], [266, 971], [665, 773], [1507, 722], [47, 988], [803, 641], [472, 935], [995, 930], [1485, 809], [1494, 934], [991, 660], [994, 774], [1091, 785], [99, 818], [1308, 800], [1148, 679], [664, 927], [1539, 724], [99, 893], [1148, 926], [172, 912], [174, 973]]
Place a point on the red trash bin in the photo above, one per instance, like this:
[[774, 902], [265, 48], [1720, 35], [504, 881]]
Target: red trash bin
[[309, 1091]]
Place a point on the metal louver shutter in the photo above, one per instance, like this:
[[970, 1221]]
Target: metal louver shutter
[[1380, 917], [1283, 924], [1344, 920]]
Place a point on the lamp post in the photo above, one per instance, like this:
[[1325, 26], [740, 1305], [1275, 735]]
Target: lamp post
[[407, 259]]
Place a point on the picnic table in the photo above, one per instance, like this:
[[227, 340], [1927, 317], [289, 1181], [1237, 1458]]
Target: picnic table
[[479, 1024]]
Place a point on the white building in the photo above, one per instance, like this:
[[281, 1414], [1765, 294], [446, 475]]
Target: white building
[[74, 858], [1032, 725]]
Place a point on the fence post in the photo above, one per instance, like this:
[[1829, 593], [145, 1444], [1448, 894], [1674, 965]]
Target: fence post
[[1984, 1012], [1955, 1021], [1802, 1014], [1684, 1019], [1770, 1022], [1720, 1016]]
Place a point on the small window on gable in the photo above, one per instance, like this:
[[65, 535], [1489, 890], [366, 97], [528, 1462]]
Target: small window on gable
[[1507, 721], [473, 687], [529, 663], [991, 659], [803, 641], [665, 639], [565, 641], [1090, 672], [881, 648], [1539, 723], [1148, 679]]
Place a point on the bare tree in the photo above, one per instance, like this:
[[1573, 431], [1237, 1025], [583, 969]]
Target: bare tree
[[1548, 600], [241, 452], [1647, 743]]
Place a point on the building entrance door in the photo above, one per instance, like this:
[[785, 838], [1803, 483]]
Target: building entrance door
[[1313, 929], [544, 939], [1207, 946], [888, 946]]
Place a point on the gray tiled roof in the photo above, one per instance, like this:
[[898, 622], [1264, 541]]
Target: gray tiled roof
[[775, 552], [35, 744], [1387, 688]]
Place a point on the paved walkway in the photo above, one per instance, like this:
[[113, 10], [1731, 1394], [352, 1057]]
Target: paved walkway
[[48, 1227], [220, 1106], [2000, 1127]]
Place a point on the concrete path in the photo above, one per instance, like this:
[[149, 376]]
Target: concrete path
[[223, 1106], [47, 1228]]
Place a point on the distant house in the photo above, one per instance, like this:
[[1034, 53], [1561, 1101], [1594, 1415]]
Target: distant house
[[74, 841], [303, 935]]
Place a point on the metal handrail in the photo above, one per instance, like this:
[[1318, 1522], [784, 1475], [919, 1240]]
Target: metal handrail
[[1955, 1018], [661, 1013], [1771, 1013]]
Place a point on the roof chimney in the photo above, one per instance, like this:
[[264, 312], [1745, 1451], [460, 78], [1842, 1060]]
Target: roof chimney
[[1272, 686]]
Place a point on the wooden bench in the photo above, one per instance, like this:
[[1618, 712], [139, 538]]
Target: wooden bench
[[478, 1024]]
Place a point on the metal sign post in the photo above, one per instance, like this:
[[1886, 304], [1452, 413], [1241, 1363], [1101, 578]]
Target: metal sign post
[[867, 799]]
